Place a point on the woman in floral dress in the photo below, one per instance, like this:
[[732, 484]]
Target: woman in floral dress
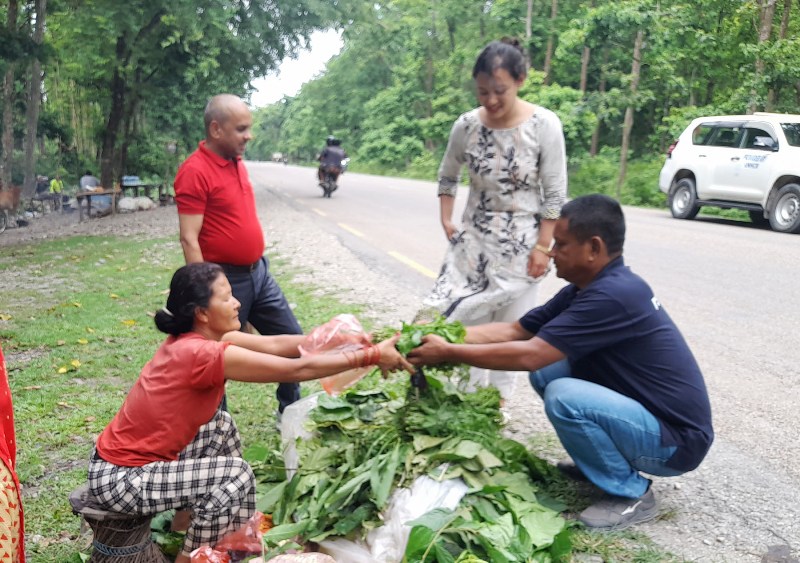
[[514, 151]]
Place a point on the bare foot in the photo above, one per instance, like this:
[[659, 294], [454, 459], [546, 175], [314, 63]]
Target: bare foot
[[181, 521]]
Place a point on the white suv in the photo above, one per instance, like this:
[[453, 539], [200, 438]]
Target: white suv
[[749, 162]]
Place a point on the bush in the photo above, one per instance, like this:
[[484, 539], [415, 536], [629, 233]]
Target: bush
[[599, 175]]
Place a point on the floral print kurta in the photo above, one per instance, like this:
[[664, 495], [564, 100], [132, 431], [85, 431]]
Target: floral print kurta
[[517, 176]]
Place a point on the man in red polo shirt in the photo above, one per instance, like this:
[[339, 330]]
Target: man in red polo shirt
[[218, 223]]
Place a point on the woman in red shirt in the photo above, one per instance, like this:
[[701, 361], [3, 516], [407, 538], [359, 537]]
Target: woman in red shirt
[[12, 546], [170, 445]]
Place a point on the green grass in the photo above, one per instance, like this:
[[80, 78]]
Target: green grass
[[76, 326]]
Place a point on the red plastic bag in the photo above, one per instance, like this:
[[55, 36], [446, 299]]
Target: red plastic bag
[[343, 333], [244, 542], [207, 554]]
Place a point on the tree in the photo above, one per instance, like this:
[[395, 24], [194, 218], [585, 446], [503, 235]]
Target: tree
[[636, 67], [188, 49], [34, 98], [548, 56], [767, 13], [8, 99]]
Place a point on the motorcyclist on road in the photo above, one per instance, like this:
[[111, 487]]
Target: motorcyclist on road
[[330, 159]]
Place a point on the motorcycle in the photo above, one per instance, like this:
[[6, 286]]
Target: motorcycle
[[329, 177]]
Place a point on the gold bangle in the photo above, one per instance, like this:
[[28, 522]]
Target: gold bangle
[[542, 248]]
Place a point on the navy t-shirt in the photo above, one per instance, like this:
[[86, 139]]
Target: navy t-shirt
[[615, 333]]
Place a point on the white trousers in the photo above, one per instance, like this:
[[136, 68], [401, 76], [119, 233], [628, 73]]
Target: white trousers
[[504, 381]]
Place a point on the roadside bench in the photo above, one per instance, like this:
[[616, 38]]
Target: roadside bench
[[134, 184], [88, 195], [51, 200]]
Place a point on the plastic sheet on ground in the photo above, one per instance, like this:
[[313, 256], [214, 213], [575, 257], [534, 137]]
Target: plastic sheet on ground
[[387, 543]]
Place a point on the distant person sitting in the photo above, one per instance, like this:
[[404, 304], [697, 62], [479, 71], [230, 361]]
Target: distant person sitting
[[89, 182]]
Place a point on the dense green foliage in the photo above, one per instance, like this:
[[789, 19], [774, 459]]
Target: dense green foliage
[[123, 80], [404, 75]]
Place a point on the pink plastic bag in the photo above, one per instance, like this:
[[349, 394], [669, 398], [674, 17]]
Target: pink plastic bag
[[343, 333], [246, 541], [207, 554]]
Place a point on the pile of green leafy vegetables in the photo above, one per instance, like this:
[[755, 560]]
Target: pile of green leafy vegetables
[[381, 435]]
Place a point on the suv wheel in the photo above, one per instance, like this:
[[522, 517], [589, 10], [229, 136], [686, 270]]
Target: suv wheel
[[784, 216], [683, 199]]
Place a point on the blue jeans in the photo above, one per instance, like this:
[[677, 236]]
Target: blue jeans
[[265, 307], [610, 437]]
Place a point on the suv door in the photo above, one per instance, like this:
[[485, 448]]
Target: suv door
[[746, 176], [722, 153]]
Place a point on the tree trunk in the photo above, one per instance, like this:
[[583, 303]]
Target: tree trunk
[[528, 33], [764, 32], [34, 99], [585, 68], [585, 63], [548, 54], [772, 95], [528, 20], [8, 106], [115, 117], [602, 89], [627, 124]]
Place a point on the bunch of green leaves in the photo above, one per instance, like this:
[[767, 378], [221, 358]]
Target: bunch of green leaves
[[501, 522], [378, 436], [411, 334], [168, 542]]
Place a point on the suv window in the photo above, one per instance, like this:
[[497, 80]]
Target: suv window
[[792, 132], [701, 134], [759, 139], [726, 136]]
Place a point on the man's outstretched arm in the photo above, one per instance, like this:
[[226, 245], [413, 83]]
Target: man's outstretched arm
[[499, 346]]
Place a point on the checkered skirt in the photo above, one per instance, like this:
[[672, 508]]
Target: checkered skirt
[[209, 477]]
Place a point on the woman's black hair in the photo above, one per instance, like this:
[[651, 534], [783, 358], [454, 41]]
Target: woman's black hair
[[189, 289], [507, 54]]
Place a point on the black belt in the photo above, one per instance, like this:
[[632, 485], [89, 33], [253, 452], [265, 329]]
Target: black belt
[[237, 269]]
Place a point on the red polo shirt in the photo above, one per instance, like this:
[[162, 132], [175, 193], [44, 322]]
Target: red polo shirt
[[219, 189]]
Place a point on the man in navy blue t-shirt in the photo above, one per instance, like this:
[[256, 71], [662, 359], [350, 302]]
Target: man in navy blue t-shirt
[[619, 383]]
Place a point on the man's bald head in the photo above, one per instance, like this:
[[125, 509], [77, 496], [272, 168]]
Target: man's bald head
[[221, 107], [228, 122]]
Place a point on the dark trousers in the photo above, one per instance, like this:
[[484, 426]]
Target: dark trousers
[[265, 307]]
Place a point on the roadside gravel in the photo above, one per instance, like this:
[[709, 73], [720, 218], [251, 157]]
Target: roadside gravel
[[729, 510]]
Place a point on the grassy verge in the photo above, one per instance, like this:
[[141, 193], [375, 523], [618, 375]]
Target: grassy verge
[[76, 327]]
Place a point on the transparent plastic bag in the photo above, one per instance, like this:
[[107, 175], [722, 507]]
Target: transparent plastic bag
[[387, 543], [343, 333]]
